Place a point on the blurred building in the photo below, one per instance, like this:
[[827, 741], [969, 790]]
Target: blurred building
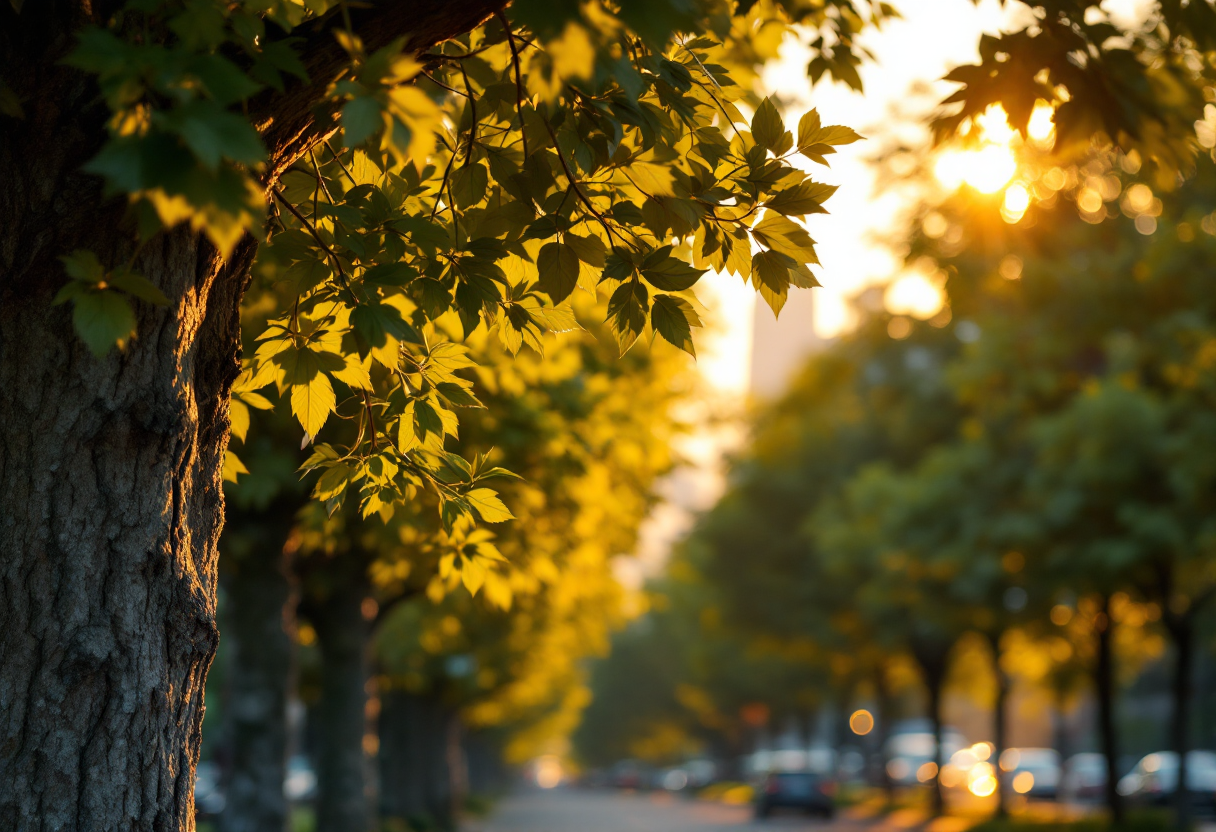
[[780, 346]]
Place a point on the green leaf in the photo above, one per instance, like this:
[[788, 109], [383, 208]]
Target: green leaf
[[138, 285], [767, 126], [457, 395], [390, 274], [589, 249], [360, 120], [333, 482], [787, 237], [83, 264], [672, 318], [771, 272], [212, 133], [469, 184], [668, 273], [805, 198], [307, 275], [627, 312], [376, 321], [558, 267], [103, 320], [488, 506]]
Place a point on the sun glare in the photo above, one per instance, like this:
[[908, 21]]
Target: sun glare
[[989, 163], [987, 169], [1042, 124], [916, 294]]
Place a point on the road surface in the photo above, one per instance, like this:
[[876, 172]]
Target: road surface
[[575, 810]]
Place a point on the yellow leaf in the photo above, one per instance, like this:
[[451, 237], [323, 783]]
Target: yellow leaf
[[233, 466], [487, 504], [356, 372], [238, 415], [573, 53], [473, 574], [653, 180], [311, 402]]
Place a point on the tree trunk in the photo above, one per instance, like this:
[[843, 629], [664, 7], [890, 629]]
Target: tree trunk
[[110, 475], [1104, 682], [932, 654], [883, 733], [110, 468], [335, 607], [1000, 724], [1182, 631], [260, 602], [483, 755], [935, 712], [416, 761]]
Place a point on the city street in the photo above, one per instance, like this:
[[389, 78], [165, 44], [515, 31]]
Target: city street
[[563, 810]]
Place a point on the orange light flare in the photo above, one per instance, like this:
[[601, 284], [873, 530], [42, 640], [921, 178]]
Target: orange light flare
[[987, 158]]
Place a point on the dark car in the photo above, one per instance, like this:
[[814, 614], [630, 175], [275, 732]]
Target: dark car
[[1155, 779], [812, 793]]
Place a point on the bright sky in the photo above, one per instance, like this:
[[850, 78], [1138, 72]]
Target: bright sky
[[916, 51], [901, 88]]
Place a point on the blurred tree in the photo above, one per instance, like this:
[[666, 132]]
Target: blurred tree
[[1091, 357], [1137, 76]]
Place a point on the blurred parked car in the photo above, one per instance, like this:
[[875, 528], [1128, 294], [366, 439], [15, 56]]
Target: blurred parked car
[[301, 782], [700, 773], [909, 755], [630, 774], [1155, 779], [1034, 772], [208, 799], [674, 779], [805, 790], [1084, 778]]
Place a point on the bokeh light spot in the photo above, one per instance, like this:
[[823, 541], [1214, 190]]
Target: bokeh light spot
[[1023, 782]]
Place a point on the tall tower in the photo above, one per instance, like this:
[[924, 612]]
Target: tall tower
[[780, 346]]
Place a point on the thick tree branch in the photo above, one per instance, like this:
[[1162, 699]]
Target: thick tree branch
[[290, 122]]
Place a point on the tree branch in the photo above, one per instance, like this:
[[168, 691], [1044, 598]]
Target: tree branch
[[290, 122]]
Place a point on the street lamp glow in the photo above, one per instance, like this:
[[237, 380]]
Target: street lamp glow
[[861, 722]]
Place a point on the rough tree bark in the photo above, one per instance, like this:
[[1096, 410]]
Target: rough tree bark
[[110, 468], [335, 608], [1104, 682], [260, 602]]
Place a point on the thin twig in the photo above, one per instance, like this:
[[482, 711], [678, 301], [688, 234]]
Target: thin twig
[[477, 51], [371, 418], [338, 159], [444, 184], [313, 231], [468, 156], [439, 83], [320, 180], [519, 83], [574, 184]]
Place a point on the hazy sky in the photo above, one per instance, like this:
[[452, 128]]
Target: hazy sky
[[932, 37]]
